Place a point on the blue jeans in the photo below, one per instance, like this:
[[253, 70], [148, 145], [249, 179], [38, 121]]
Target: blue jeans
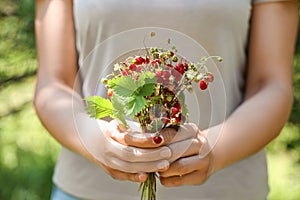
[[58, 194]]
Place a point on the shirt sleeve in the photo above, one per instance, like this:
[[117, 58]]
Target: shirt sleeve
[[262, 1]]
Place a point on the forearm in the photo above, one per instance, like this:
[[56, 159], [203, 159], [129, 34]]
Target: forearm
[[257, 121], [57, 107], [57, 71]]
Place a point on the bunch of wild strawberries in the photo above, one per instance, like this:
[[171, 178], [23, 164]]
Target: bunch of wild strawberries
[[174, 75]]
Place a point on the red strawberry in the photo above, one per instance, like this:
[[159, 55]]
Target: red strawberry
[[203, 85], [109, 92], [139, 60], [209, 77], [125, 72], [156, 61], [132, 67], [147, 60], [174, 110], [180, 68], [157, 139]]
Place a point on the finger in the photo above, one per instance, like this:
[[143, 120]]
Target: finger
[[194, 178], [134, 154], [187, 147], [185, 166], [119, 175], [115, 133], [136, 167], [169, 135], [138, 139], [186, 131]]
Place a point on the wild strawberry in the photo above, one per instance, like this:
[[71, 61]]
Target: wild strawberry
[[203, 85], [170, 53], [209, 77], [147, 60], [174, 110], [157, 139], [156, 61], [139, 60], [104, 81], [110, 92], [180, 68], [174, 58], [125, 72], [132, 67], [185, 66]]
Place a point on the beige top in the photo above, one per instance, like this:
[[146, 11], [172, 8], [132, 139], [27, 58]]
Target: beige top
[[106, 29]]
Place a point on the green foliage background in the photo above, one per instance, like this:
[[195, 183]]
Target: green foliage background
[[28, 153]]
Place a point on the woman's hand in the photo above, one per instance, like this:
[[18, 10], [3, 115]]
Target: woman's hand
[[191, 160], [119, 160]]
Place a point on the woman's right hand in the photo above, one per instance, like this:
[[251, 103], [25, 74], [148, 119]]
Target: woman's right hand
[[120, 161]]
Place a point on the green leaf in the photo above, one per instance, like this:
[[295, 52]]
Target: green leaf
[[98, 107], [146, 84], [113, 82], [125, 86], [119, 105], [136, 105], [146, 78], [146, 90]]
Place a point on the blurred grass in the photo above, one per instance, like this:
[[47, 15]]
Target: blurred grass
[[27, 157], [28, 153], [283, 165]]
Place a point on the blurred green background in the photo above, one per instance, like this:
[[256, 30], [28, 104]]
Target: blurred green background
[[28, 153]]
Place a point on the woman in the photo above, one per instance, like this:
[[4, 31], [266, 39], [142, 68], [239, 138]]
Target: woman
[[256, 40]]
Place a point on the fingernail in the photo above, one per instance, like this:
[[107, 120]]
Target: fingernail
[[166, 153], [162, 165], [142, 177]]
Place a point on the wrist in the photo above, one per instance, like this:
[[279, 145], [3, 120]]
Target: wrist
[[213, 136]]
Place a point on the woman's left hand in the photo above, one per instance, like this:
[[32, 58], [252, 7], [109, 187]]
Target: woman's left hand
[[193, 160]]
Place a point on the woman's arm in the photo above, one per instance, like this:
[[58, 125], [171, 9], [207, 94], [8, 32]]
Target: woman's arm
[[269, 90], [266, 107], [61, 109], [57, 70]]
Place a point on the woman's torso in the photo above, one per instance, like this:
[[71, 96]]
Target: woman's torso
[[221, 27]]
